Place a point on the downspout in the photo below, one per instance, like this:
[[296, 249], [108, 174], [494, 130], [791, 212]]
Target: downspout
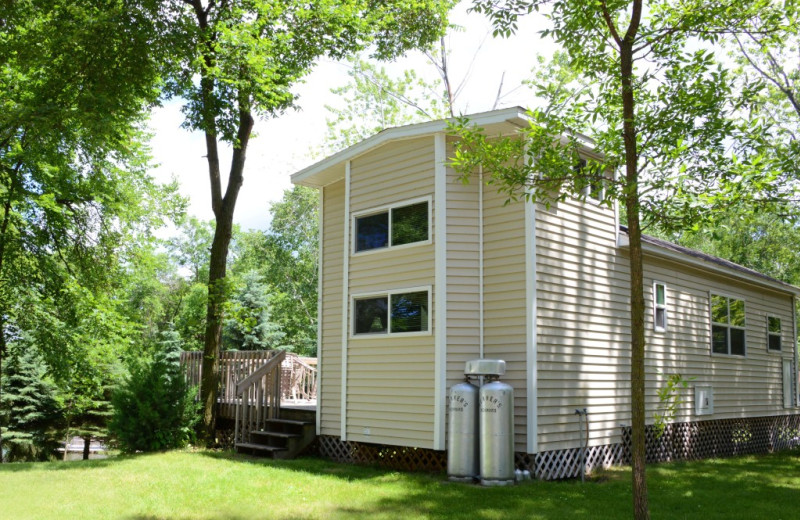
[[480, 261], [794, 347]]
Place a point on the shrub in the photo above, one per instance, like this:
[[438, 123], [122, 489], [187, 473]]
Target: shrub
[[154, 409]]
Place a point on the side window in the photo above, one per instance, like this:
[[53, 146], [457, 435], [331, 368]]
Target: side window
[[727, 325], [591, 183], [659, 307], [773, 333], [392, 227], [393, 313]]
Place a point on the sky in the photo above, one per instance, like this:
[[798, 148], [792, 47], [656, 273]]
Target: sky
[[284, 145]]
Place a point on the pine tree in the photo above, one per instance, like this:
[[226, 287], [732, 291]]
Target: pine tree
[[29, 411], [154, 409], [248, 326]]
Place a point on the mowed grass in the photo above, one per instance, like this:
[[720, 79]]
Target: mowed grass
[[211, 485]]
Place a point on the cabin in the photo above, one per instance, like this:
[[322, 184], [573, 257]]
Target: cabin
[[420, 272]]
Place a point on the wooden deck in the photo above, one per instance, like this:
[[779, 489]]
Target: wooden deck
[[298, 380]]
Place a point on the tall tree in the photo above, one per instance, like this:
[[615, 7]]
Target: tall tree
[[240, 59], [74, 82], [656, 109]]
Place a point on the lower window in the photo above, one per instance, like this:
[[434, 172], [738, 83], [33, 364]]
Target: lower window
[[393, 313], [727, 326]]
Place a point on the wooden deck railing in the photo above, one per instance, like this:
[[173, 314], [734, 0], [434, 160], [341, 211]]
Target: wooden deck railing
[[298, 381], [258, 398]]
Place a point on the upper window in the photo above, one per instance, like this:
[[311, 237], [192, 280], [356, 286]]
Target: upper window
[[660, 307], [392, 313], [727, 325], [395, 226], [773, 333], [590, 183]]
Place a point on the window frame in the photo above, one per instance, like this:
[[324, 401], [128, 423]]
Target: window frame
[[657, 306], [387, 208], [778, 335], [728, 325], [388, 295]]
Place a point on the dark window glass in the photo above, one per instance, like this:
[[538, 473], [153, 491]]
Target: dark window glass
[[719, 339], [372, 231], [410, 224], [371, 315], [661, 318], [410, 312], [774, 333], [737, 342]]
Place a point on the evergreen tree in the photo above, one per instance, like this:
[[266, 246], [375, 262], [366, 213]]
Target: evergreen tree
[[248, 325], [29, 411], [154, 408]]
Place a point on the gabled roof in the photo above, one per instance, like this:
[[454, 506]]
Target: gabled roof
[[664, 249], [331, 168]]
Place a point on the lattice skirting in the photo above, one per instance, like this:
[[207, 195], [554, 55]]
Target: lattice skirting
[[718, 438], [680, 441], [393, 457]]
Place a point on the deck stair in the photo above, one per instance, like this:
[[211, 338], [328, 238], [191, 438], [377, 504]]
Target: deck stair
[[279, 439]]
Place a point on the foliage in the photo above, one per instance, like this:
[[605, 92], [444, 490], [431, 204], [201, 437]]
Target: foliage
[[670, 400], [29, 409], [287, 258], [153, 408], [373, 100], [247, 324], [75, 196]]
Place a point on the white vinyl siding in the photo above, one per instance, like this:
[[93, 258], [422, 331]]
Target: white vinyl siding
[[333, 248], [583, 323], [505, 324], [390, 387]]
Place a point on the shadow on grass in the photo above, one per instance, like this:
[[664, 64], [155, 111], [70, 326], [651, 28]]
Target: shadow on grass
[[70, 465], [764, 486]]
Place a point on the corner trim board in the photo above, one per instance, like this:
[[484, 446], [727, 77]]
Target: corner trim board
[[440, 289], [532, 435], [345, 299], [320, 245]]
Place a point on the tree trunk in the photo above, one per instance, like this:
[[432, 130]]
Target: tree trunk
[[87, 442], [217, 293], [631, 195]]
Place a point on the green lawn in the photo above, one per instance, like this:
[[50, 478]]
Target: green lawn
[[207, 485]]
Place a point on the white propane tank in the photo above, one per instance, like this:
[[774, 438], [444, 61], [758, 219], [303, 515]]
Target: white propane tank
[[462, 433], [496, 419]]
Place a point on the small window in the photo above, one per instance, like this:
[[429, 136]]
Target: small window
[[591, 184], [788, 384], [727, 326], [660, 307], [392, 227], [409, 313], [773, 333]]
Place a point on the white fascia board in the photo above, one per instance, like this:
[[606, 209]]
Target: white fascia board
[[623, 241], [309, 176]]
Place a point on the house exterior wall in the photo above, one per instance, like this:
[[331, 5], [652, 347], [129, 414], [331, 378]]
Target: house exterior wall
[[505, 326], [330, 384], [582, 324], [749, 386], [583, 333], [390, 378], [582, 314]]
